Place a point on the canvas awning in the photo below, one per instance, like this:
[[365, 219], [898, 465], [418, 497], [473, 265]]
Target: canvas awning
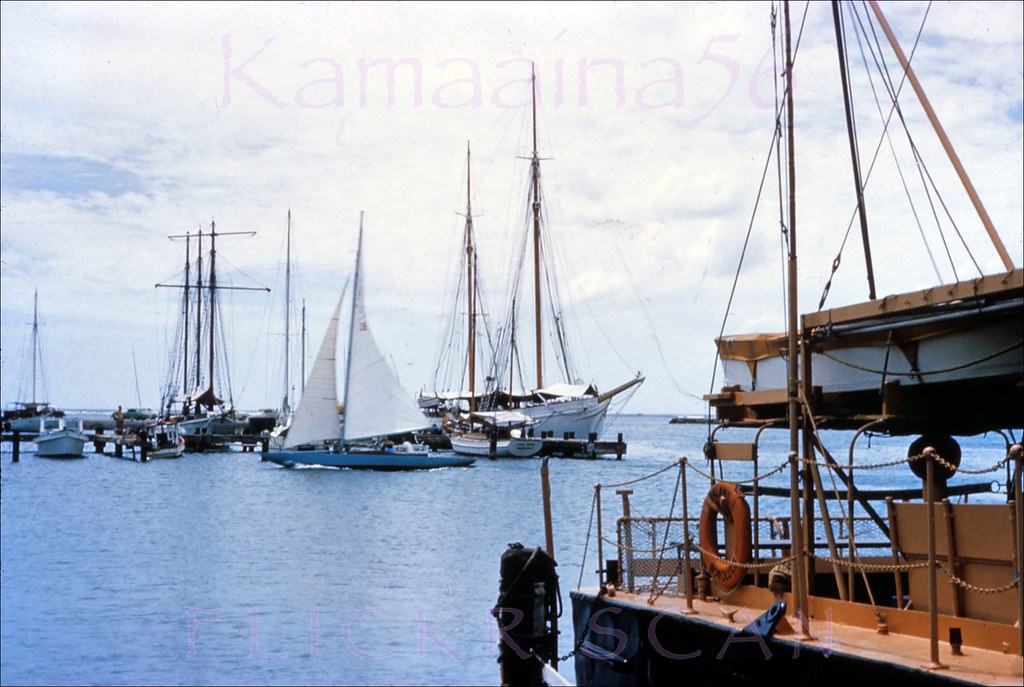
[[751, 347], [567, 390], [502, 418]]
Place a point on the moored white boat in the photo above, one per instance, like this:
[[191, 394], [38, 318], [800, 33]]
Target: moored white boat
[[59, 441], [497, 434], [164, 440]]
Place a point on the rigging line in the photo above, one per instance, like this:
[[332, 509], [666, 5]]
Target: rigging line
[[939, 195], [894, 97], [753, 214], [743, 253], [953, 222], [225, 370], [926, 172], [885, 134], [654, 334], [921, 171]]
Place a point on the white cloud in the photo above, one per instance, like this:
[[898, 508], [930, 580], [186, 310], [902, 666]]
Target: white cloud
[[650, 204]]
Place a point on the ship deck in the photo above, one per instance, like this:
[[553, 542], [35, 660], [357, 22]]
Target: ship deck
[[991, 652]]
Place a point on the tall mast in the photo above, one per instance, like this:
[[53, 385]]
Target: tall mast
[[285, 408], [535, 172], [208, 397], [303, 337], [792, 344], [471, 304], [793, 352], [858, 187], [356, 295], [199, 309], [184, 365], [213, 303], [35, 341]]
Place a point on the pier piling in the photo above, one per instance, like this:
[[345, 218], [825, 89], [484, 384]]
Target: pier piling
[[16, 454]]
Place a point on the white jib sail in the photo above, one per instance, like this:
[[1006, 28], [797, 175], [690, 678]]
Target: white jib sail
[[376, 405], [316, 418]]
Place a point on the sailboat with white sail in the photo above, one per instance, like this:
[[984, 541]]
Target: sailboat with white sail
[[377, 408], [566, 409]]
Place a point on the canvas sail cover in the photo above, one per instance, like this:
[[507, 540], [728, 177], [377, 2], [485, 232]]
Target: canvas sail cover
[[376, 405], [316, 418]]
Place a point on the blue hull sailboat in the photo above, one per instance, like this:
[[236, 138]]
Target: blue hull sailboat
[[377, 407]]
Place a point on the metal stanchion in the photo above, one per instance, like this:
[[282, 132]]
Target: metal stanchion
[[933, 596], [686, 541]]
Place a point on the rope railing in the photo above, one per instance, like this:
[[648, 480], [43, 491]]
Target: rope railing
[[648, 529], [638, 479]]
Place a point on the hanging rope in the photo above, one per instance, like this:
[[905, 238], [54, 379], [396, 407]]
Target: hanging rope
[[586, 542], [917, 373]]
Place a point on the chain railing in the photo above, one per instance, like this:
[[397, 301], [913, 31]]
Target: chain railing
[[633, 529]]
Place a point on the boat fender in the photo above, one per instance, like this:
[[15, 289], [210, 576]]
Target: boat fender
[[725, 498]]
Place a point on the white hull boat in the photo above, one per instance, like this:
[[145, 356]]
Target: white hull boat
[[479, 444], [60, 442]]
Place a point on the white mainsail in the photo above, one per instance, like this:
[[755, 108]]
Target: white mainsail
[[316, 418], [375, 403]]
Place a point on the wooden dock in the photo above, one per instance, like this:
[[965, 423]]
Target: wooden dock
[[590, 448]]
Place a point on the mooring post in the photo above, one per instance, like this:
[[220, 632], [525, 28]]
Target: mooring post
[[16, 454], [549, 538], [618, 448]]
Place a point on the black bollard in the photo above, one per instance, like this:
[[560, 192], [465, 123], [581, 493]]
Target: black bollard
[[17, 447], [527, 615]]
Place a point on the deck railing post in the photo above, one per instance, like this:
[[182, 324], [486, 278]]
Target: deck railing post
[[686, 571], [933, 600], [600, 536], [626, 540]]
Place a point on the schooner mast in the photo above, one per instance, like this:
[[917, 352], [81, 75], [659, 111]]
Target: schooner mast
[[470, 276], [535, 182], [285, 405], [207, 397]]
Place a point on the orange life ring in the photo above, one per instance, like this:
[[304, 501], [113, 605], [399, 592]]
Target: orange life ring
[[725, 498]]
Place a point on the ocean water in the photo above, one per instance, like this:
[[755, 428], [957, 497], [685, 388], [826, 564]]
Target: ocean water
[[219, 569]]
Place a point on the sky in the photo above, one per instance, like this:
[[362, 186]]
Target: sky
[[122, 124]]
